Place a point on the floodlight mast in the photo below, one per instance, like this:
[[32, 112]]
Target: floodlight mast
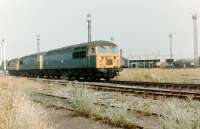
[[194, 18], [4, 55], [171, 48], [112, 39], [89, 37]]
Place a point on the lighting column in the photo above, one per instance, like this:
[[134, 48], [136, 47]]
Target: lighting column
[[89, 37]]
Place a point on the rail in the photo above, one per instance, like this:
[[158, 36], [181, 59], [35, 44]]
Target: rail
[[145, 91]]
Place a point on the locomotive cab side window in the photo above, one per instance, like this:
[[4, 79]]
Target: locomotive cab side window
[[92, 50], [79, 54], [75, 55], [21, 62], [82, 54]]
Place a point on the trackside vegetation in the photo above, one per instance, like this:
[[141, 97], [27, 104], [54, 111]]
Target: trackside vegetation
[[18, 111]]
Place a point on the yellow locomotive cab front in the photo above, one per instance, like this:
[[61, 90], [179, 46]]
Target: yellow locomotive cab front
[[107, 57]]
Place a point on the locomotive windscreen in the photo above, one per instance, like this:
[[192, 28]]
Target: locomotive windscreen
[[107, 49]]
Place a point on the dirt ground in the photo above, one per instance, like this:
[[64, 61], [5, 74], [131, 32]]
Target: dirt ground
[[65, 119]]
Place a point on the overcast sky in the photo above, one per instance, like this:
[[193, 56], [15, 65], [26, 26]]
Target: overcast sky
[[138, 26]]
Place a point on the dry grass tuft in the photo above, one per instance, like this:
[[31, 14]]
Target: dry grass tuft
[[4, 83], [177, 117], [81, 101], [119, 117], [17, 111], [7, 111]]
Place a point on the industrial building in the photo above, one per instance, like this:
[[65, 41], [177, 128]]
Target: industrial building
[[147, 62], [144, 63]]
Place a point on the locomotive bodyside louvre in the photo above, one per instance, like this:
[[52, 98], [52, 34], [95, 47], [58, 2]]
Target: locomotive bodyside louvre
[[65, 59], [28, 63], [17, 65]]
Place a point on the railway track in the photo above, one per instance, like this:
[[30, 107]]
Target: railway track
[[175, 86], [101, 104], [67, 99], [145, 91]]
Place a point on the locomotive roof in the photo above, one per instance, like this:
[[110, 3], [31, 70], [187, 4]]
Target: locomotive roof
[[35, 54], [93, 43], [101, 43], [13, 59]]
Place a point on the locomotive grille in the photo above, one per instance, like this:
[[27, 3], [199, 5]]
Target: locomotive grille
[[109, 62]]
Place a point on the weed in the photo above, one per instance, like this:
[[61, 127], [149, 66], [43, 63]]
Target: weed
[[176, 117]]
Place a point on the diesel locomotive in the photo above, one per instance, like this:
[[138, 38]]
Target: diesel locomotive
[[88, 61]]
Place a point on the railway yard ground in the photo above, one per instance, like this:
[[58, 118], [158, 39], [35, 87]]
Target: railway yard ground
[[57, 104]]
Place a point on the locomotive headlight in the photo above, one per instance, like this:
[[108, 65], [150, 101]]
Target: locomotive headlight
[[117, 62], [101, 59]]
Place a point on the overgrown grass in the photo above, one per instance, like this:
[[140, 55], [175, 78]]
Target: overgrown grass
[[177, 117], [16, 111], [119, 117], [175, 113], [82, 102], [161, 75], [7, 112]]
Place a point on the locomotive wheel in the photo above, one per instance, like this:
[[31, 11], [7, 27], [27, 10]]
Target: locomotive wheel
[[107, 79], [77, 78]]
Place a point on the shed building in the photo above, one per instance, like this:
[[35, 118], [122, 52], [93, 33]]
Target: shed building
[[150, 63]]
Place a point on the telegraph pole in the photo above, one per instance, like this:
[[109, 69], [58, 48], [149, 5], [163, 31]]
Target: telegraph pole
[[194, 18], [171, 47], [89, 37], [4, 55]]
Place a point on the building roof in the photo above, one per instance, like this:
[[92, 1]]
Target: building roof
[[146, 60]]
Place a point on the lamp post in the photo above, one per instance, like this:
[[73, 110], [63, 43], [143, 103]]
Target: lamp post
[[89, 37], [171, 49], [194, 18], [4, 55]]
